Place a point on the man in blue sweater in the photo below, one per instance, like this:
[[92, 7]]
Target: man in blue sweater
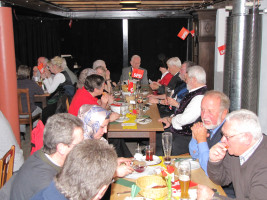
[[205, 134]]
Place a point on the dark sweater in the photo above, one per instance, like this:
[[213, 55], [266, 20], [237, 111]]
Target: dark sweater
[[36, 173], [249, 180]]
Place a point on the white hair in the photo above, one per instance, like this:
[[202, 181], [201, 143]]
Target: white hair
[[174, 61], [98, 63], [198, 72], [248, 122]]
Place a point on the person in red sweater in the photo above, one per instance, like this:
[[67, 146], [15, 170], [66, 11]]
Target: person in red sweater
[[93, 87], [165, 78]]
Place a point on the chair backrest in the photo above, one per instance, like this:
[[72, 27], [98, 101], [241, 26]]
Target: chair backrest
[[21, 94], [6, 166]]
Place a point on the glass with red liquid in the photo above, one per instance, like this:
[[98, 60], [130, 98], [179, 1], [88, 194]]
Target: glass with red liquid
[[149, 153], [139, 166]]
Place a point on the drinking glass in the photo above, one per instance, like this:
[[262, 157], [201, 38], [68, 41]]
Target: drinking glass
[[167, 147], [184, 174], [149, 153], [140, 108], [123, 111]]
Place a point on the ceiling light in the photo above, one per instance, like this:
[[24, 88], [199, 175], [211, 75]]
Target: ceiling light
[[129, 2]]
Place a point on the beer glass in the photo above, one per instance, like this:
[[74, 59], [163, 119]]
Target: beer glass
[[123, 111], [184, 174], [167, 147]]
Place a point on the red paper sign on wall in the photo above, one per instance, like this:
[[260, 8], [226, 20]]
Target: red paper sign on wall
[[137, 73], [183, 33], [41, 68], [222, 49]]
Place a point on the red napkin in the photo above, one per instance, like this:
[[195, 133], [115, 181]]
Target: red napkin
[[176, 185]]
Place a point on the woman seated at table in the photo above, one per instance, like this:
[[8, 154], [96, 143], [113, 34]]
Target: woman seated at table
[[96, 120], [24, 82], [60, 79]]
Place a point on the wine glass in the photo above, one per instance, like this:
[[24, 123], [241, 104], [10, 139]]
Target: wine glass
[[167, 147]]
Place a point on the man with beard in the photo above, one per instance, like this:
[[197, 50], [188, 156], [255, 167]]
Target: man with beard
[[205, 134]]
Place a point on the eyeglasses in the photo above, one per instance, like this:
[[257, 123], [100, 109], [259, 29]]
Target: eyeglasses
[[228, 137]]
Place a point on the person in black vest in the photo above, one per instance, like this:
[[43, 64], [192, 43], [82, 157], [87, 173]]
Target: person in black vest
[[188, 111], [214, 108]]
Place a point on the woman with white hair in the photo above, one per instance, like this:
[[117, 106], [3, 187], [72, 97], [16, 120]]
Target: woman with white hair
[[61, 77]]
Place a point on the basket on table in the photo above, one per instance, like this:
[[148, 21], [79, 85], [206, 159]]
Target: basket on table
[[145, 182]]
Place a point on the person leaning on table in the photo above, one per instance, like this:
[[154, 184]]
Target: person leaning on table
[[86, 174], [240, 158]]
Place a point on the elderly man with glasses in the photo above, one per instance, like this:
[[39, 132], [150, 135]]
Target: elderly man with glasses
[[240, 158]]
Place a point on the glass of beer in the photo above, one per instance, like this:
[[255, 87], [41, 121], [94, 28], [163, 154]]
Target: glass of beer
[[184, 174], [167, 147]]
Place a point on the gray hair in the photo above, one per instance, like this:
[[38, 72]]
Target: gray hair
[[90, 165], [135, 56], [64, 64], [59, 128], [174, 61], [248, 122], [99, 63], [224, 100], [24, 72], [198, 72], [93, 81], [188, 64], [86, 72]]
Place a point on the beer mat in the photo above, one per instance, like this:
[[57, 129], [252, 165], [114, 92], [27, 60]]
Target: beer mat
[[176, 185], [130, 124], [129, 184]]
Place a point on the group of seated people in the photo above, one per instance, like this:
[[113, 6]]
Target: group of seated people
[[230, 147]]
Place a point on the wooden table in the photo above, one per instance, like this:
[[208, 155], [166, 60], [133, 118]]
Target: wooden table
[[42, 98], [197, 176], [142, 131]]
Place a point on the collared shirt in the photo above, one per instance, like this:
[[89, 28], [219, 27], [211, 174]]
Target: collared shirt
[[246, 155], [164, 74], [191, 112], [201, 150], [49, 158]]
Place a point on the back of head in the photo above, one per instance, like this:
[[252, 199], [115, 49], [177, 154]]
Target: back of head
[[162, 63], [58, 61], [224, 100], [89, 166], [23, 72], [174, 61], [197, 72], [98, 63], [247, 122], [93, 81], [59, 128], [189, 63], [84, 73]]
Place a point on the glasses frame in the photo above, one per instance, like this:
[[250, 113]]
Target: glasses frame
[[229, 137]]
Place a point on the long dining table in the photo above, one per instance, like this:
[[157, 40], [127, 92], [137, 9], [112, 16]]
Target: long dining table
[[42, 98], [143, 130], [118, 192]]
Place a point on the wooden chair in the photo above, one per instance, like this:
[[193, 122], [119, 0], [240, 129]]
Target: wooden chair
[[6, 166], [27, 116]]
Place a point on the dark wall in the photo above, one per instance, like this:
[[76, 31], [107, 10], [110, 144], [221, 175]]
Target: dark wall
[[88, 40]]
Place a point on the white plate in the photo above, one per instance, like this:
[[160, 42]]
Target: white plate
[[143, 121], [156, 160], [194, 164], [136, 175], [122, 119]]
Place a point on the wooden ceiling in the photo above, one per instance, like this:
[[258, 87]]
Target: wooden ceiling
[[81, 7]]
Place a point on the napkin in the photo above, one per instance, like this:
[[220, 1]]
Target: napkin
[[176, 185], [132, 119]]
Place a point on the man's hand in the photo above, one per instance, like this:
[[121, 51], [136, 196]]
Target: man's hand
[[204, 192], [110, 99], [126, 161], [123, 170], [153, 100], [199, 132], [166, 121], [154, 85], [104, 99], [217, 152], [172, 102], [114, 116]]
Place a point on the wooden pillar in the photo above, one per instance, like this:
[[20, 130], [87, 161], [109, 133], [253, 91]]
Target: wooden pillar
[[8, 79], [206, 25]]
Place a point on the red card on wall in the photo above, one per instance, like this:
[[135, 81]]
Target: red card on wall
[[183, 33], [222, 49], [137, 73]]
